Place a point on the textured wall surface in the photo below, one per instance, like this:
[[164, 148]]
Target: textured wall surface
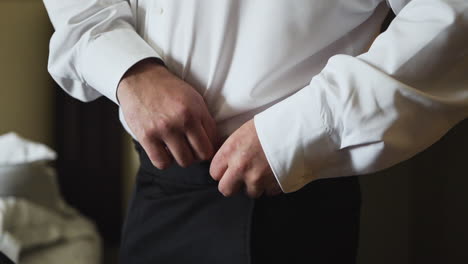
[[26, 90]]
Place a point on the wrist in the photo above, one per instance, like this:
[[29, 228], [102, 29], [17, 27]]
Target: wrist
[[153, 65]]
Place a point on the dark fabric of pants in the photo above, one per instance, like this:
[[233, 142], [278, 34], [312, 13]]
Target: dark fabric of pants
[[178, 216], [4, 259]]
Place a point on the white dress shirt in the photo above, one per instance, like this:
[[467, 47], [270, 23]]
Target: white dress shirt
[[328, 98]]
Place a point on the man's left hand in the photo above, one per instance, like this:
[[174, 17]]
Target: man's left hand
[[241, 162]]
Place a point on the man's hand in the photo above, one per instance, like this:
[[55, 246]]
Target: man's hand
[[167, 115], [241, 162]]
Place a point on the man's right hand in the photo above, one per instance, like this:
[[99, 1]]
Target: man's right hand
[[167, 115]]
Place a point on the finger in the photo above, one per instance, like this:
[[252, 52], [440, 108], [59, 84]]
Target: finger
[[157, 153], [209, 124], [253, 187], [180, 150], [230, 183], [253, 191], [200, 142], [218, 165]]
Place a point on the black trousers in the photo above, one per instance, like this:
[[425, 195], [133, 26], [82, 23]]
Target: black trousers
[[177, 216]]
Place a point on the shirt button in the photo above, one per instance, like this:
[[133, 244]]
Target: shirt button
[[161, 11]]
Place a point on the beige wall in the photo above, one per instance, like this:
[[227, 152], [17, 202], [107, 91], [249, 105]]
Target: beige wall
[[26, 90]]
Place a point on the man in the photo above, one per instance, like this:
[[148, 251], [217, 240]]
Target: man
[[254, 98]]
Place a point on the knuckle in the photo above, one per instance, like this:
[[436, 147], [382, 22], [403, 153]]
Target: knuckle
[[228, 148], [183, 112], [146, 137], [257, 181], [163, 125], [242, 167], [254, 180]]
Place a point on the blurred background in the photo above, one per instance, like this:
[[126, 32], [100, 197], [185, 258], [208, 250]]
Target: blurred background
[[415, 212]]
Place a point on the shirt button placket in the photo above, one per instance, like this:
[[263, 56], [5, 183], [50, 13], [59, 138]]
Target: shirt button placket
[[160, 26]]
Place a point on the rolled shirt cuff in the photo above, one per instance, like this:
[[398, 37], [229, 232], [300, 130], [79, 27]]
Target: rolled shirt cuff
[[293, 133], [108, 57]]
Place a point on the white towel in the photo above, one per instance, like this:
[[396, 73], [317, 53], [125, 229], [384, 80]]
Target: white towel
[[36, 226], [17, 150]]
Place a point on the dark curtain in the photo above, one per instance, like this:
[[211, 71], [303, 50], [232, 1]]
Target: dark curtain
[[88, 143]]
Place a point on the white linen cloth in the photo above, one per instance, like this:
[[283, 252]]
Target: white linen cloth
[[328, 98], [15, 150], [31, 234], [36, 225]]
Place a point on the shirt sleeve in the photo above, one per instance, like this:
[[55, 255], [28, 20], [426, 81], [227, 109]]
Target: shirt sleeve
[[93, 45], [366, 113]]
